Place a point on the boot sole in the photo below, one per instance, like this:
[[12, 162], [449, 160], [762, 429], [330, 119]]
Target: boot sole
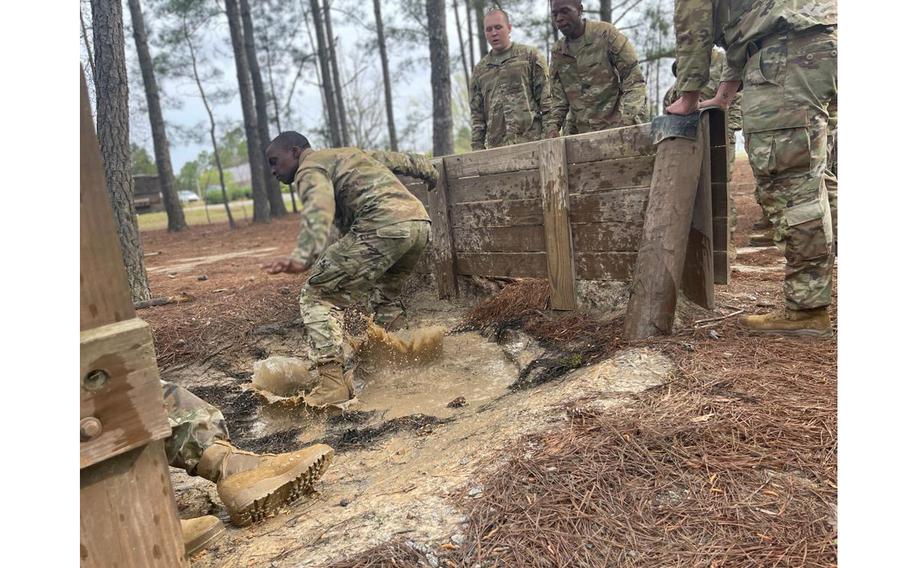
[[287, 493], [203, 541]]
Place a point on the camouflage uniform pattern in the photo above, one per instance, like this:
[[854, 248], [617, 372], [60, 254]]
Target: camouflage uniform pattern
[[508, 93], [195, 425], [598, 79], [385, 231], [786, 55], [831, 168]]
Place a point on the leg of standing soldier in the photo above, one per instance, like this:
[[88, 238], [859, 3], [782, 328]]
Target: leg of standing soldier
[[195, 426], [384, 298], [831, 166], [787, 88]]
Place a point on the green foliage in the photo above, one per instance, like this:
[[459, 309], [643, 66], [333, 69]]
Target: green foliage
[[142, 163], [188, 176], [463, 140]]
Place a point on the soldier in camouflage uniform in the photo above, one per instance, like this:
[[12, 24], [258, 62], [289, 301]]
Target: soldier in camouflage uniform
[[251, 486], [384, 228], [594, 73], [508, 89], [784, 53]]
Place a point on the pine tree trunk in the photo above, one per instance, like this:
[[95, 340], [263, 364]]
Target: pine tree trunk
[[175, 219], [481, 39], [328, 90], [112, 112], [470, 38], [386, 79], [273, 190], [440, 81], [250, 123], [606, 10], [268, 63], [336, 77], [464, 60]]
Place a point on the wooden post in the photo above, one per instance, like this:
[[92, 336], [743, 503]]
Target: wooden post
[[443, 258], [128, 516], [720, 194], [554, 193], [698, 270], [659, 266]]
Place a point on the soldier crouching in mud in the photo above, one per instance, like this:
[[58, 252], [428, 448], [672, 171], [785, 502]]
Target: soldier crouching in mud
[[384, 228]]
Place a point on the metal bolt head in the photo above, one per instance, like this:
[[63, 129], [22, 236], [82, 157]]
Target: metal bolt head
[[89, 428], [95, 380]]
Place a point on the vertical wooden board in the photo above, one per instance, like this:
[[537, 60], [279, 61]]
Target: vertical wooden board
[[419, 190], [698, 271], [624, 142], [443, 255], [128, 514], [104, 293], [720, 192], [554, 193]]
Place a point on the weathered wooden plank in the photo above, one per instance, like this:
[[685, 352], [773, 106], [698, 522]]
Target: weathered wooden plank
[[508, 264], [521, 238], [128, 516], [494, 161], [498, 213], [420, 192], [554, 195], [698, 270], [423, 265], [443, 255], [625, 142], [720, 190], [614, 266], [591, 177], [659, 266], [607, 237], [523, 184], [619, 206]]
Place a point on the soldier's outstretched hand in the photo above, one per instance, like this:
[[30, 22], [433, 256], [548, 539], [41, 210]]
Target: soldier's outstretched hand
[[687, 103], [288, 265]]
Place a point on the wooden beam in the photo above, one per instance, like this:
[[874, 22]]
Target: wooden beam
[[504, 264], [659, 267], [498, 213], [625, 142], [698, 270], [524, 184], [519, 238], [720, 193], [494, 161], [554, 193], [592, 177], [443, 254]]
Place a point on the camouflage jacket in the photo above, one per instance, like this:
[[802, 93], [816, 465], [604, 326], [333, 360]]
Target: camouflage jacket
[[718, 64], [738, 26], [508, 92], [600, 82], [354, 190]]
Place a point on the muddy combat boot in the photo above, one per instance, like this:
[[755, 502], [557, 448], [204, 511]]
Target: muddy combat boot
[[200, 532], [335, 387], [254, 486], [812, 323]]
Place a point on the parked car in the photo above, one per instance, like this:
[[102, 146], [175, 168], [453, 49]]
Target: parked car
[[187, 196]]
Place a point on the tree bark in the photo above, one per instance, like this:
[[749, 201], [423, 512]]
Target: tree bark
[[250, 123], [482, 46], [386, 79], [440, 81], [112, 100], [268, 63], [175, 219], [464, 60], [88, 47], [470, 40], [272, 188], [336, 77], [328, 90], [606, 10]]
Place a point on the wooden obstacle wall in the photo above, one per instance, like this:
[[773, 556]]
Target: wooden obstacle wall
[[564, 209]]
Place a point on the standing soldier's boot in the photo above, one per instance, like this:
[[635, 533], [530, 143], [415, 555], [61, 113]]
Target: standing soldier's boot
[[812, 323], [335, 386], [200, 532], [254, 486]]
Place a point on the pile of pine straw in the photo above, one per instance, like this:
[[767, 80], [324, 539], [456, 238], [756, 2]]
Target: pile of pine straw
[[732, 463]]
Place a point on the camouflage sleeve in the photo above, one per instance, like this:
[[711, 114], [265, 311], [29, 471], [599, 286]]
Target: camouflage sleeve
[[633, 98], [539, 82], [408, 164], [557, 106], [478, 118], [694, 23], [317, 203]]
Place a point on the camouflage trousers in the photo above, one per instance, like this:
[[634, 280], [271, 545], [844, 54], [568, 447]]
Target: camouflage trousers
[[831, 167], [369, 266], [195, 425], [788, 85]]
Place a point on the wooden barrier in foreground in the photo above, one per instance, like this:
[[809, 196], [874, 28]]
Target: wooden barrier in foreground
[[565, 209]]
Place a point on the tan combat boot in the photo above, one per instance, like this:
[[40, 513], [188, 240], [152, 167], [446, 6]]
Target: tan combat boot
[[335, 386], [255, 486], [200, 532], [812, 323]]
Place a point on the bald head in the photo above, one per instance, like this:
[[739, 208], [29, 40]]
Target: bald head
[[283, 154]]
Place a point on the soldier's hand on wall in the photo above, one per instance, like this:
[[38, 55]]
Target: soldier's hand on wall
[[685, 104], [288, 265], [724, 96]]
